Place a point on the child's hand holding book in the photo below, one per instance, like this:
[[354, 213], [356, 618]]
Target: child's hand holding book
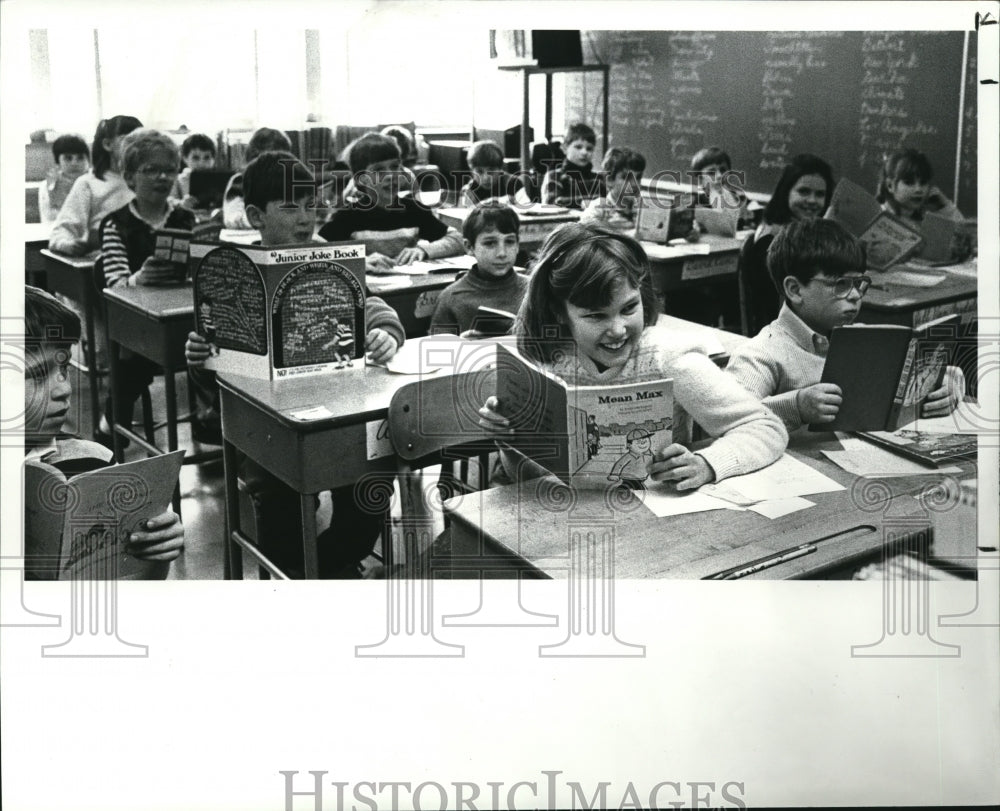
[[676, 464], [945, 399], [196, 349], [819, 402], [161, 539], [492, 420], [157, 272]]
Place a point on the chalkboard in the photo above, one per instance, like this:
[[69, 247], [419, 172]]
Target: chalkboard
[[848, 96]]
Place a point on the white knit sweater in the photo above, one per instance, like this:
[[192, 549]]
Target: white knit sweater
[[87, 204]]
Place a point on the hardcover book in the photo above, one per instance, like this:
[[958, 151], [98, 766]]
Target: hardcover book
[[78, 528], [593, 437], [885, 371], [275, 313], [927, 448]]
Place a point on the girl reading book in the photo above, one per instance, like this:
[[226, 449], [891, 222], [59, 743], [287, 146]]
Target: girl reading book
[[589, 318]]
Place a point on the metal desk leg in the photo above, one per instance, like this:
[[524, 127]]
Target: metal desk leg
[[114, 355], [232, 566], [310, 555], [90, 355], [171, 395]]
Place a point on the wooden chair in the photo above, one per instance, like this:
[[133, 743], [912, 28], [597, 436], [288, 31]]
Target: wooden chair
[[759, 301]]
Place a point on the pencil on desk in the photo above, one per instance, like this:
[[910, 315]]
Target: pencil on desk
[[760, 564]]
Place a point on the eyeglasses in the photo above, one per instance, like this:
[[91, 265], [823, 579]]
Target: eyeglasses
[[843, 286], [155, 171]]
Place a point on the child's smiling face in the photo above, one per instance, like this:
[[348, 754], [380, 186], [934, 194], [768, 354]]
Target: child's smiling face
[[607, 335]]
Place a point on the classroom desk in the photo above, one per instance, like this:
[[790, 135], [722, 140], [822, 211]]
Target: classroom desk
[[414, 302], [36, 239], [311, 455], [509, 533], [677, 266], [891, 301], [534, 228], [73, 277], [152, 322]]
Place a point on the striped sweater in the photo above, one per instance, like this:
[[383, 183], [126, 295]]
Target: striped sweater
[[127, 239]]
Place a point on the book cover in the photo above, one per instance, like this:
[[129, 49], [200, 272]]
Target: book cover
[[927, 448], [174, 245], [885, 371], [652, 220], [274, 313], [887, 240], [718, 221], [593, 437], [492, 322], [866, 361], [208, 186], [77, 528]]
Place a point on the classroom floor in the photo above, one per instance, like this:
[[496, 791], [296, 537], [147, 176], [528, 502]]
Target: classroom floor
[[202, 490]]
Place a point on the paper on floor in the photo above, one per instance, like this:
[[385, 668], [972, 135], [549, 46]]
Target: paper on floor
[[785, 478]]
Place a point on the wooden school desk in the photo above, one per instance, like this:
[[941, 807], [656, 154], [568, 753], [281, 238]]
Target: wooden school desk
[[534, 228], [36, 239], [413, 300], [73, 277], [684, 265], [891, 300], [525, 529], [325, 450]]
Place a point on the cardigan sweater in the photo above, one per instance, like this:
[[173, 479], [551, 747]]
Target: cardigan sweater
[[87, 204], [458, 303], [748, 435]]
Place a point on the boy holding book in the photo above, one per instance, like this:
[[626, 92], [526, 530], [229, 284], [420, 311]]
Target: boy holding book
[[395, 229], [50, 330], [819, 269], [491, 235], [280, 195], [197, 152]]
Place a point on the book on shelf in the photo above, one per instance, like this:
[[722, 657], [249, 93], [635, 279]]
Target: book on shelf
[[276, 313], [885, 371], [931, 449], [593, 437], [77, 528], [888, 240]]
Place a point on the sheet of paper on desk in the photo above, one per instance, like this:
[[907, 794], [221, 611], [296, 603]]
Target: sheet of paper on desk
[[664, 501], [870, 461], [777, 507], [785, 478], [381, 284], [311, 413], [690, 248]]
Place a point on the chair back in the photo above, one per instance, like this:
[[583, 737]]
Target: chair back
[[759, 300]]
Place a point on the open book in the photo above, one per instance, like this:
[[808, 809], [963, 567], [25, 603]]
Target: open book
[[593, 437], [77, 528], [274, 313], [887, 239], [932, 449], [885, 371]]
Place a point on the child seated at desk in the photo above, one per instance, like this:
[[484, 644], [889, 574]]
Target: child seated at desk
[[280, 194], [150, 162], [395, 229], [95, 194], [575, 182], [591, 289], [819, 269], [264, 139], [489, 179], [717, 188], [51, 329], [72, 156], [197, 152], [623, 170], [491, 235]]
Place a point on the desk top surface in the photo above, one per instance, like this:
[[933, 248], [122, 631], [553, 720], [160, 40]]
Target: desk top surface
[[458, 215], [158, 303], [895, 291], [85, 262], [530, 521]]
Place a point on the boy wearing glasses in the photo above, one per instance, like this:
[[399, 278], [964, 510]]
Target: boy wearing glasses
[[150, 162], [818, 267]]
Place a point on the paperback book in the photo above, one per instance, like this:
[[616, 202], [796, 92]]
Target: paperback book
[[592, 437], [888, 240]]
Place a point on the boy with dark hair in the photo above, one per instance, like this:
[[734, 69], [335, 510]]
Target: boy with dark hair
[[819, 269], [72, 156], [197, 152], [50, 330], [280, 195], [489, 179], [623, 170], [491, 235], [575, 182], [716, 187], [395, 229]]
